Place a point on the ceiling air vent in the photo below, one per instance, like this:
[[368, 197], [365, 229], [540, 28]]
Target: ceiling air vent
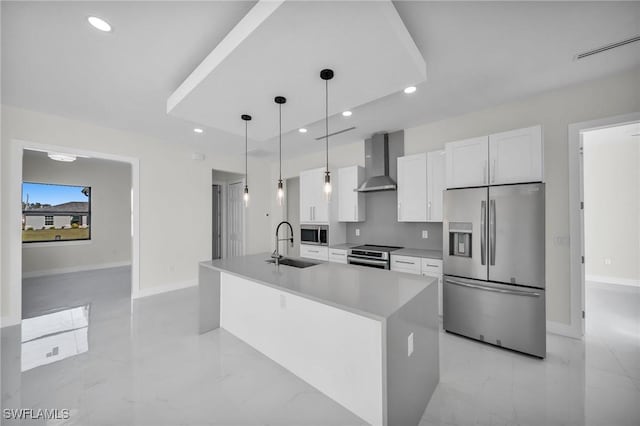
[[348, 129], [607, 47]]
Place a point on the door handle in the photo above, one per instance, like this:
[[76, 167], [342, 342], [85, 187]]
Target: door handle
[[492, 232], [493, 171], [484, 172], [405, 262], [496, 290], [483, 232]]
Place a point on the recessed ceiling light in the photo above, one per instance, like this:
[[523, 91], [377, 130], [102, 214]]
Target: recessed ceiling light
[[346, 114], [198, 130], [302, 130], [410, 90], [67, 158], [99, 24]]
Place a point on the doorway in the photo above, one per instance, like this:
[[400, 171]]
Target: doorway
[[228, 237], [611, 226]]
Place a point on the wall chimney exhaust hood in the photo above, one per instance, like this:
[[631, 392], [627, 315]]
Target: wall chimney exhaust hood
[[380, 161]]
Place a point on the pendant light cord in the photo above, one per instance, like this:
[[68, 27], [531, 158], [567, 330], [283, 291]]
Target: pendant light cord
[[246, 153], [326, 120], [280, 109]]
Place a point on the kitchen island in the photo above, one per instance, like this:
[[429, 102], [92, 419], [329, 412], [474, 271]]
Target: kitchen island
[[367, 338]]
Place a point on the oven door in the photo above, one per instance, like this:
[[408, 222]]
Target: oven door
[[372, 263], [309, 236]]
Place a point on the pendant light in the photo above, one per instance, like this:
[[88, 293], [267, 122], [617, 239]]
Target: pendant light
[[245, 196], [280, 194], [327, 74]]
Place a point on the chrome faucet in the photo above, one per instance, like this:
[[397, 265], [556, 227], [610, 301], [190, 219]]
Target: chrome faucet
[[276, 253]]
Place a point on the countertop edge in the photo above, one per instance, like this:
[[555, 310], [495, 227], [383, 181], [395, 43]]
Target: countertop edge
[[306, 296]]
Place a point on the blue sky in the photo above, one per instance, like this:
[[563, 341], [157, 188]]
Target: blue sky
[[51, 194]]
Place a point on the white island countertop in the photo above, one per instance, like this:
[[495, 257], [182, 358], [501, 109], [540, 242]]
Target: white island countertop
[[362, 290]]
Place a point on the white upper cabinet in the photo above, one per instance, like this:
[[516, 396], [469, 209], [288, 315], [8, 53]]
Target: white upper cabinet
[[508, 157], [351, 204], [412, 188], [516, 156], [435, 184], [314, 208], [467, 162]]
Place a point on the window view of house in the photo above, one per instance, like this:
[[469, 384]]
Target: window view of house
[[55, 212]]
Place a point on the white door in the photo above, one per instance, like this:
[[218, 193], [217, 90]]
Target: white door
[[516, 156], [412, 188], [350, 203], [436, 183], [235, 228], [306, 207], [467, 162]]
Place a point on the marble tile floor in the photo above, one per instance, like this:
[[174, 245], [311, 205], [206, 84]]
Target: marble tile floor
[[143, 363]]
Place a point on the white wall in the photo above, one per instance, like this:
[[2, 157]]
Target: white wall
[[555, 110], [175, 196], [110, 183], [612, 204]]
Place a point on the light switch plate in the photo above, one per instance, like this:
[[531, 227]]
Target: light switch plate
[[410, 345], [425, 234], [357, 232]]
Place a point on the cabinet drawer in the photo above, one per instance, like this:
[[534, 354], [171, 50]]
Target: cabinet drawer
[[432, 267], [407, 264], [337, 255], [314, 252]]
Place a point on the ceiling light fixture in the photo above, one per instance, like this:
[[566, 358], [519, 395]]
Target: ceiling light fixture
[[245, 196], [302, 130], [58, 156], [346, 113], [409, 90], [99, 23], [326, 75], [198, 130], [280, 192]]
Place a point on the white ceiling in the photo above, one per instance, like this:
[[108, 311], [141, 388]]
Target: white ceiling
[[279, 48], [478, 54]]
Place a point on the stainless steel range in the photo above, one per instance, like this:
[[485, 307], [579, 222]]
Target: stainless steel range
[[371, 255]]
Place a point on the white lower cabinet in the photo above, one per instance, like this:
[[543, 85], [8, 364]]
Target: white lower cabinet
[[337, 255], [420, 266], [433, 268], [314, 252], [408, 264]]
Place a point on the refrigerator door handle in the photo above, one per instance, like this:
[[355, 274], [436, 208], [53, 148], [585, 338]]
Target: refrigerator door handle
[[492, 232], [497, 290], [483, 232]]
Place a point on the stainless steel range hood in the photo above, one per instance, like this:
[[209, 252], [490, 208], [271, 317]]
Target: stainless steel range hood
[[380, 161]]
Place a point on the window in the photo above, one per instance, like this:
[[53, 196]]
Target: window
[[53, 212]]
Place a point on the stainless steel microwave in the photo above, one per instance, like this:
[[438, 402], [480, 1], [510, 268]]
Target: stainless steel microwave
[[314, 234]]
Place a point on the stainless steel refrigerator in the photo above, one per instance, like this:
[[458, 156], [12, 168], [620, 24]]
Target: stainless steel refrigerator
[[494, 267]]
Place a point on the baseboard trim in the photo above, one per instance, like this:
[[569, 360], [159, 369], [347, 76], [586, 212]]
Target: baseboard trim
[[81, 268], [613, 280], [9, 321], [152, 291], [562, 329]]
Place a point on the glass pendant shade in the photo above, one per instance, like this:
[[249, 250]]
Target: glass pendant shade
[[245, 196], [280, 192], [327, 186]]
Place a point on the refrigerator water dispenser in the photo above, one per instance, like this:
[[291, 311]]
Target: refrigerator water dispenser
[[460, 237]]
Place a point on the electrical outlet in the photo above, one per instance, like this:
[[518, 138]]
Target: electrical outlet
[[357, 232], [607, 261], [425, 234], [410, 345], [283, 302]]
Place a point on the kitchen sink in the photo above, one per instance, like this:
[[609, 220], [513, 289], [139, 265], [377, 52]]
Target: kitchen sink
[[296, 263]]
